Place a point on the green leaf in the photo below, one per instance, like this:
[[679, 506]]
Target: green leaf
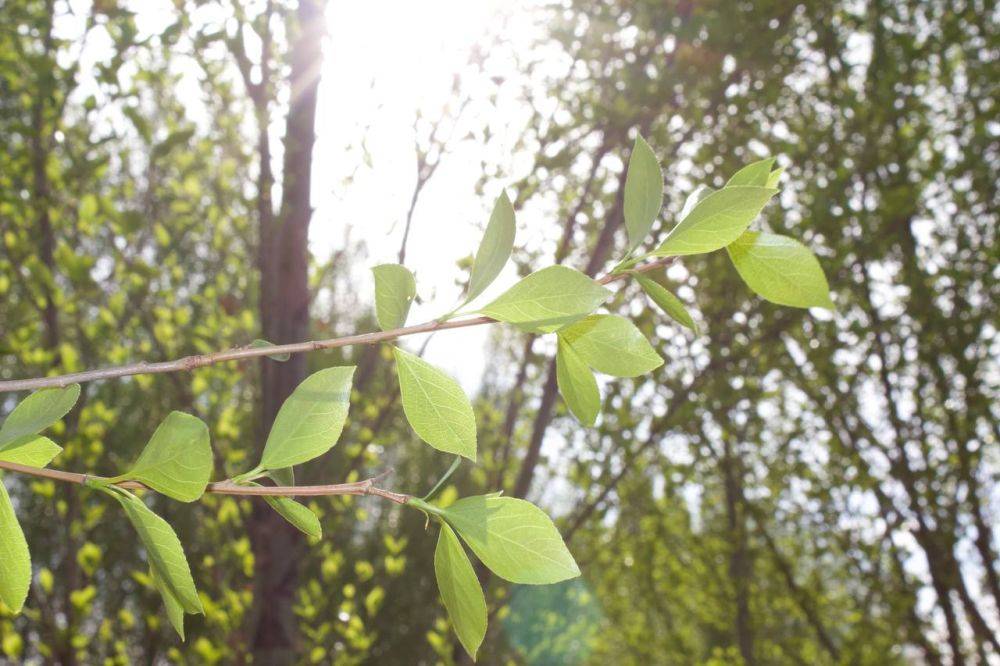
[[669, 303], [495, 248], [283, 477], [436, 406], [774, 177], [716, 221], [781, 270], [460, 591], [612, 345], [577, 384], [37, 412], [258, 344], [15, 560], [548, 299], [177, 460], [643, 192], [166, 555], [297, 514], [755, 173], [175, 611], [694, 199], [36, 452], [513, 538], [395, 290], [311, 420]]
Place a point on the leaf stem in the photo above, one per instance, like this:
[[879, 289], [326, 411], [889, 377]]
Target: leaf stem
[[444, 479]]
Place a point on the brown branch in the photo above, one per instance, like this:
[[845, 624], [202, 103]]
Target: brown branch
[[241, 353], [365, 487]]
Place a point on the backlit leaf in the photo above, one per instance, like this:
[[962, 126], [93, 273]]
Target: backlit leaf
[[34, 452], [177, 460], [495, 248], [716, 221], [577, 384], [37, 412], [755, 173], [669, 303], [436, 406], [460, 591], [548, 299], [175, 612], [781, 270], [643, 192], [310, 421], [611, 344], [15, 560], [513, 538], [395, 290]]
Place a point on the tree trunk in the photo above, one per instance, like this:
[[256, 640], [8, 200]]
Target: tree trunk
[[284, 309]]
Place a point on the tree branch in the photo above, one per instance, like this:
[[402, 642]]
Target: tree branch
[[366, 487], [241, 353]]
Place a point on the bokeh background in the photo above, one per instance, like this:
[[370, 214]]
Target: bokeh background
[[791, 487]]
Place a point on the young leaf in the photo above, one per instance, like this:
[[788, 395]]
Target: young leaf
[[781, 270], [37, 412], [643, 192], [513, 538], [494, 249], [755, 174], [612, 345], [577, 384], [460, 591], [669, 303], [311, 419], [694, 199], [258, 344], [548, 299], [774, 177], [15, 560], [297, 514], [716, 221], [436, 406], [177, 460], [175, 611], [166, 555], [36, 452], [395, 290]]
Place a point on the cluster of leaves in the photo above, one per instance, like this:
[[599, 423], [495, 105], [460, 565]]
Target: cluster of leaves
[[510, 536]]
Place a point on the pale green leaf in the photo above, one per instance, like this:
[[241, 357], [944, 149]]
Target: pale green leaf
[[260, 344], [643, 192], [283, 477], [177, 460], [395, 290], [460, 591], [716, 221], [37, 412], [548, 299], [15, 560], [35, 452], [311, 419], [436, 406], [297, 514], [175, 611], [577, 384], [163, 548], [669, 303], [694, 199], [495, 248], [755, 173], [781, 270], [774, 177], [611, 344], [513, 538]]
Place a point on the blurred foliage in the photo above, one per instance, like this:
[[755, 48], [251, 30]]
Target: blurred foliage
[[788, 488]]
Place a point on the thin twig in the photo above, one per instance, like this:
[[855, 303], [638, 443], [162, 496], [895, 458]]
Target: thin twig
[[240, 353], [365, 487]]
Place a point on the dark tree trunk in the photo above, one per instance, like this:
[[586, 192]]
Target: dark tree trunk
[[284, 309]]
